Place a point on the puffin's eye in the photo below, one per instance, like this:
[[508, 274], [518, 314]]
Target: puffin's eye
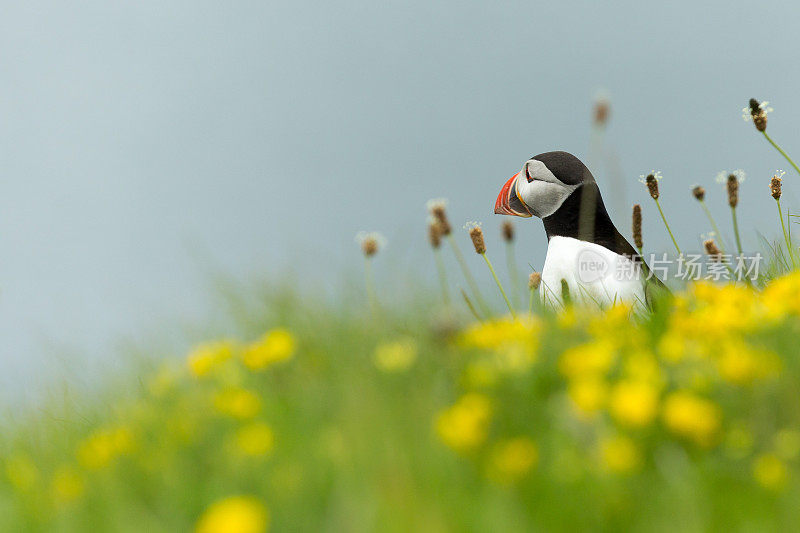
[[528, 174]]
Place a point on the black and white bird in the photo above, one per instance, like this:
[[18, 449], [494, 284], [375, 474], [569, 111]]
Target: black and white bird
[[587, 259]]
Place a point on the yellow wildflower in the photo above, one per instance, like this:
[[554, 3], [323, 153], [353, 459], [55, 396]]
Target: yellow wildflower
[[633, 403], [692, 417], [588, 395], [101, 447], [395, 356], [620, 454], [782, 296], [22, 472], [503, 334], [208, 357], [237, 402], [236, 514], [512, 459], [770, 472], [593, 358], [67, 485], [255, 439], [276, 346], [465, 425]]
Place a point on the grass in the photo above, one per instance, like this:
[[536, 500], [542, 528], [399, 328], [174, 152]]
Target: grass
[[360, 442]]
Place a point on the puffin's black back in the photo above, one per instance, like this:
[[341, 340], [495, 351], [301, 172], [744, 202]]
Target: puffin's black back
[[596, 225]]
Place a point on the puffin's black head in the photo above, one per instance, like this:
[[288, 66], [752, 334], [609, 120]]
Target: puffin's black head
[[544, 183]]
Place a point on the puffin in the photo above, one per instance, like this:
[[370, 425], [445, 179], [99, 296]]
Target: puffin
[[588, 260]]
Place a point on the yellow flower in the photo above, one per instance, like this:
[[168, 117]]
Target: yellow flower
[[620, 454], [255, 439], [512, 459], [590, 359], [770, 472], [236, 514], [465, 425], [208, 357], [782, 296], [692, 417], [634, 403], [237, 402], [22, 472], [276, 346], [67, 485], [101, 447], [395, 356], [516, 339], [588, 395]]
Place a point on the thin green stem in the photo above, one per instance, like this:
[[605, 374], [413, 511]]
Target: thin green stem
[[671, 236], [784, 154], [469, 304], [736, 231], [786, 235], [499, 285], [530, 301], [713, 225], [468, 275], [370, 283], [442, 276], [513, 272]]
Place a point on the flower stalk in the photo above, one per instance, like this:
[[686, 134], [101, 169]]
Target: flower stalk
[[757, 112], [371, 243], [534, 281], [651, 180], [775, 187], [700, 194], [438, 209], [479, 243], [435, 238], [507, 230]]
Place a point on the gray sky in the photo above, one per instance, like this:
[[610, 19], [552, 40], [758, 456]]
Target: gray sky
[[141, 139]]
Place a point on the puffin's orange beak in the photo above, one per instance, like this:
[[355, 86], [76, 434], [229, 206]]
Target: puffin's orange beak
[[508, 203]]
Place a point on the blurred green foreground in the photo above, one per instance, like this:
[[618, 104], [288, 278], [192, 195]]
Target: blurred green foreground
[[333, 419]]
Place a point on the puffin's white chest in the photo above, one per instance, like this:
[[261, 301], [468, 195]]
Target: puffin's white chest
[[594, 274]]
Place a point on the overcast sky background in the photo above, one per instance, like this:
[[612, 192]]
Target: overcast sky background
[[142, 140]]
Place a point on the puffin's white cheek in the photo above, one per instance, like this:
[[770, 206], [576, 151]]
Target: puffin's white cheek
[[543, 198]]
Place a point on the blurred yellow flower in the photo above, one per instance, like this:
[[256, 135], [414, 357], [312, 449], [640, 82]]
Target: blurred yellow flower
[[592, 358], [208, 357], [237, 402], [255, 439], [21, 472], [770, 472], [236, 514], [465, 425], [692, 417], [588, 395], [633, 403], [502, 335], [511, 460], [104, 445], [396, 356], [781, 297], [620, 454], [67, 484], [275, 346]]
